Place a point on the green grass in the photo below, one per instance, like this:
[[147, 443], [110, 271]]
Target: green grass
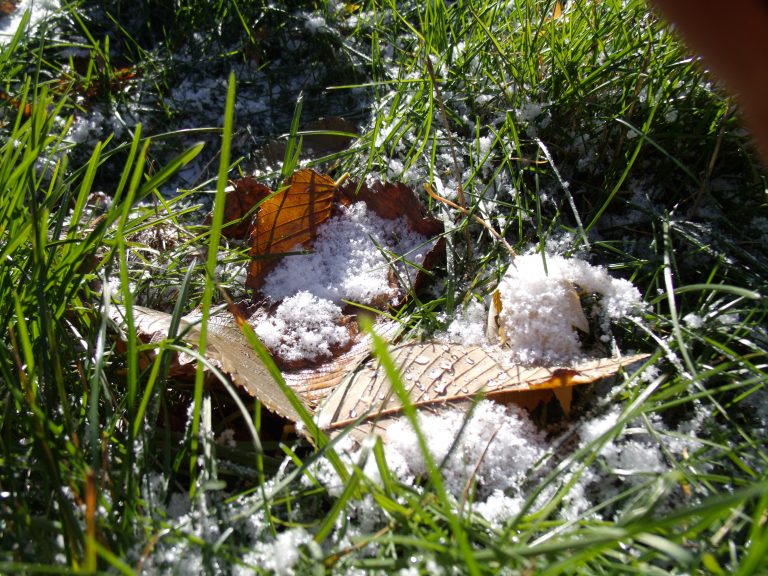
[[595, 133]]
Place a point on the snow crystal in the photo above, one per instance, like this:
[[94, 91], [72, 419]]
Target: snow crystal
[[593, 429], [693, 321], [498, 507], [346, 263], [315, 23], [633, 457], [286, 550], [304, 327], [540, 308]]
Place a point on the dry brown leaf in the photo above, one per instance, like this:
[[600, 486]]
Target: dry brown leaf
[[391, 201], [226, 346], [26, 109], [289, 217], [246, 194], [314, 385], [8, 7], [436, 373]]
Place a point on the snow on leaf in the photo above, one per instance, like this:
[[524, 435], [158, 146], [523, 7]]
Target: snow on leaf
[[392, 201]]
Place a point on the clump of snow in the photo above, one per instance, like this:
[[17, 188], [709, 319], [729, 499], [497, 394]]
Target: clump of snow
[[497, 448], [540, 308], [498, 507], [315, 23], [281, 555], [693, 321], [347, 263], [304, 327], [633, 457]]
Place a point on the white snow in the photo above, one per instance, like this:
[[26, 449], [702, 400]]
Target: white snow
[[498, 446], [540, 309], [468, 326], [693, 321], [315, 23], [39, 10], [346, 263], [353, 257], [303, 327]]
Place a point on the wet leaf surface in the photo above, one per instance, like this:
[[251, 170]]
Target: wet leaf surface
[[437, 373]]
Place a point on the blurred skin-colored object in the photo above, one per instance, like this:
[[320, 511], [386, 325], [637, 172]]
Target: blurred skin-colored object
[[732, 39]]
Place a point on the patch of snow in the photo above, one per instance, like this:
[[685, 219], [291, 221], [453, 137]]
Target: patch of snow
[[346, 263], [39, 10], [497, 448], [633, 457], [693, 321], [468, 326], [540, 308], [498, 507], [315, 23], [283, 553], [304, 327]]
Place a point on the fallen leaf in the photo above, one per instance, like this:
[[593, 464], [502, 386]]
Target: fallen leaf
[[557, 11], [26, 109], [288, 218], [391, 201], [436, 373], [226, 346], [315, 384], [239, 206]]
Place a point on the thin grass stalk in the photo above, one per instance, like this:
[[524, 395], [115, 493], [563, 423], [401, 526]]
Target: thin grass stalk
[[210, 271]]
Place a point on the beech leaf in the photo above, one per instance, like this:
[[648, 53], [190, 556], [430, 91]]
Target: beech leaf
[[226, 346], [288, 218], [437, 373], [239, 202]]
